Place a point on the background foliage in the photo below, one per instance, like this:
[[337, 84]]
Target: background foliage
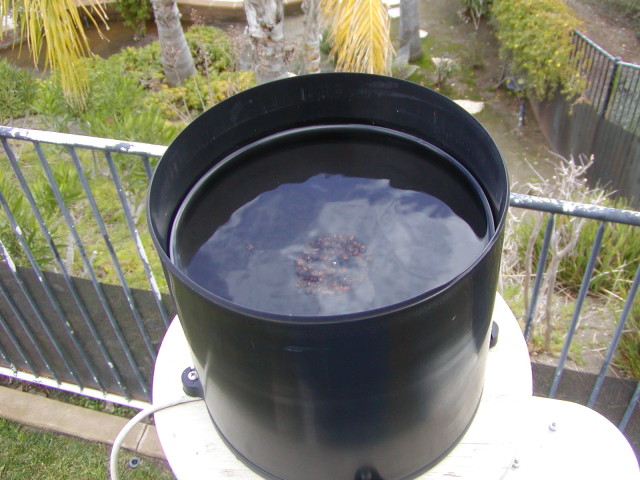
[[535, 38], [18, 90], [128, 98], [135, 14]]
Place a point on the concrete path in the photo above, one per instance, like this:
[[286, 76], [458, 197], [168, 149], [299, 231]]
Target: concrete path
[[52, 415]]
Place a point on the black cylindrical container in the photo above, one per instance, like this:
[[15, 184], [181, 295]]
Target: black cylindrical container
[[382, 392]]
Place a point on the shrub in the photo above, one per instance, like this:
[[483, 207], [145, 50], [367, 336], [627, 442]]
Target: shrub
[[210, 47], [199, 92], [129, 99], [52, 106], [70, 190], [18, 91], [135, 14], [535, 38], [117, 106], [141, 63]]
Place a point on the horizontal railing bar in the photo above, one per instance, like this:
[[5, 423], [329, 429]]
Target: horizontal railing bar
[[584, 210], [594, 45], [12, 365], [630, 65], [144, 149], [70, 388], [82, 141]]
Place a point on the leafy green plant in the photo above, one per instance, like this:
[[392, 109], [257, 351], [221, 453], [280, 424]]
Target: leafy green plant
[[142, 63], [18, 91], [211, 48], [117, 106], [617, 261], [535, 38], [71, 192], [213, 56], [199, 92], [55, 112]]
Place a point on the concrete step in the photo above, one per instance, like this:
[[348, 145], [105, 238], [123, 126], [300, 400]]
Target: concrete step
[[52, 415]]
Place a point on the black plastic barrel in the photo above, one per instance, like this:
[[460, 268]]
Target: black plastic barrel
[[383, 392]]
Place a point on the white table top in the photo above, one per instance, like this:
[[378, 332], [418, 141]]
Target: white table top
[[506, 427]]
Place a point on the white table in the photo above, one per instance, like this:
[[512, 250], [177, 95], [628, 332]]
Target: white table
[[508, 438]]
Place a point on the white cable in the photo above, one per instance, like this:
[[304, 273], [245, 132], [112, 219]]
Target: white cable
[[113, 463]]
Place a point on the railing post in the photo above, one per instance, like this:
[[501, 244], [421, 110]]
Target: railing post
[[542, 261], [612, 80]]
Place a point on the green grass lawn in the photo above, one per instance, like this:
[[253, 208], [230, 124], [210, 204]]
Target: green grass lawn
[[28, 454]]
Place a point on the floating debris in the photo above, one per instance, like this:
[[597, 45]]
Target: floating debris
[[331, 265]]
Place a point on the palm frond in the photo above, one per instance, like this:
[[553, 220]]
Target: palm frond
[[359, 34], [57, 25]]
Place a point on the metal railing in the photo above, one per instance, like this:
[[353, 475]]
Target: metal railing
[[603, 122], [612, 86], [66, 325], [603, 215], [71, 330]]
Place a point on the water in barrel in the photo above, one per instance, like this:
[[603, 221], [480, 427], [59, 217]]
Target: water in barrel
[[328, 221]]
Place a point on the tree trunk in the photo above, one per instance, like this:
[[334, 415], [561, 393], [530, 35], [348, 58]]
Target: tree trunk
[[410, 28], [312, 35], [265, 19], [176, 58]]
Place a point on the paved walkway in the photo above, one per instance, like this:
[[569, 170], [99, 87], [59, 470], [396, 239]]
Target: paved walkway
[[46, 414]]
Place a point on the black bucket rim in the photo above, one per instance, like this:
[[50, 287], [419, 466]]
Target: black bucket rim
[[298, 320]]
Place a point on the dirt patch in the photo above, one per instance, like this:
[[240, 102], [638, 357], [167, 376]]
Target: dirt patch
[[608, 31]]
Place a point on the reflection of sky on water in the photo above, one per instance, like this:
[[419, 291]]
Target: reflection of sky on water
[[414, 243]]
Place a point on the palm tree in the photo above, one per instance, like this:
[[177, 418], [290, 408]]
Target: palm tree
[[312, 35], [360, 35], [410, 28], [265, 19], [60, 24], [177, 61]]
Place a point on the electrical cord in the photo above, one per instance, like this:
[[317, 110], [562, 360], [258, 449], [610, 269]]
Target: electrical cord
[[115, 450]]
